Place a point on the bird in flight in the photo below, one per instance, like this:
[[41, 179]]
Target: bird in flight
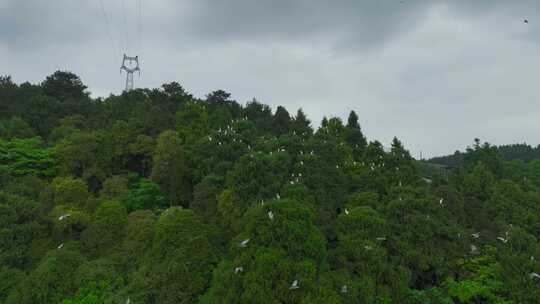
[[504, 240], [62, 217], [526, 21], [243, 243], [238, 269]]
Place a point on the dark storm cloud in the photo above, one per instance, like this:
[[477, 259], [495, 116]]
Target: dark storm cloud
[[436, 73], [323, 23]]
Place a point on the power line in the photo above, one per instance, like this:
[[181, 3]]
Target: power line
[[139, 24], [116, 48], [125, 25]]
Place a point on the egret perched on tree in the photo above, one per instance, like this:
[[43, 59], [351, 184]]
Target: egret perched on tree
[[476, 235], [271, 215], [294, 285], [60, 246], [344, 289], [346, 211], [534, 275], [238, 269], [503, 239]]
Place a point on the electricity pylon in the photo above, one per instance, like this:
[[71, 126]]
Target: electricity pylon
[[130, 68]]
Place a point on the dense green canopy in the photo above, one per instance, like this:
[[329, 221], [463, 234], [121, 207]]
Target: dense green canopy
[[155, 196]]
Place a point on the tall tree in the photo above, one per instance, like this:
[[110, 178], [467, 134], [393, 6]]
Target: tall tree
[[355, 138], [282, 121], [169, 169], [301, 124]]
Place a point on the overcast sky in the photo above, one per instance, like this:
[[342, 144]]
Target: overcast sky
[[434, 73]]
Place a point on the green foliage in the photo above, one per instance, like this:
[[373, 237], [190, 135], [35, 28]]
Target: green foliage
[[84, 218], [51, 281], [107, 226], [25, 157], [145, 195], [15, 127], [70, 191], [169, 170], [22, 225], [179, 265], [93, 293], [115, 188]]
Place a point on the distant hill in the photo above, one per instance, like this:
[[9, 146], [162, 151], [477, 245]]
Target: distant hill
[[522, 152]]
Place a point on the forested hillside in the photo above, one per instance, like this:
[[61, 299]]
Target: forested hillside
[[514, 152], [155, 196]]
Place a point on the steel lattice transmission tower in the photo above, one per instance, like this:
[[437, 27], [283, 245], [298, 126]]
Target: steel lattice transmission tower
[[131, 67]]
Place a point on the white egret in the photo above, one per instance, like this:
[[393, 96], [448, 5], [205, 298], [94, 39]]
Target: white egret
[[62, 217], [243, 243]]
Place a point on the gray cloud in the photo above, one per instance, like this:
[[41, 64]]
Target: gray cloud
[[434, 73]]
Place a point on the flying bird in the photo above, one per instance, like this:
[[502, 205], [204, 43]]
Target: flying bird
[[243, 243], [294, 285], [526, 21], [63, 216], [60, 246], [238, 269], [500, 238], [476, 235]]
